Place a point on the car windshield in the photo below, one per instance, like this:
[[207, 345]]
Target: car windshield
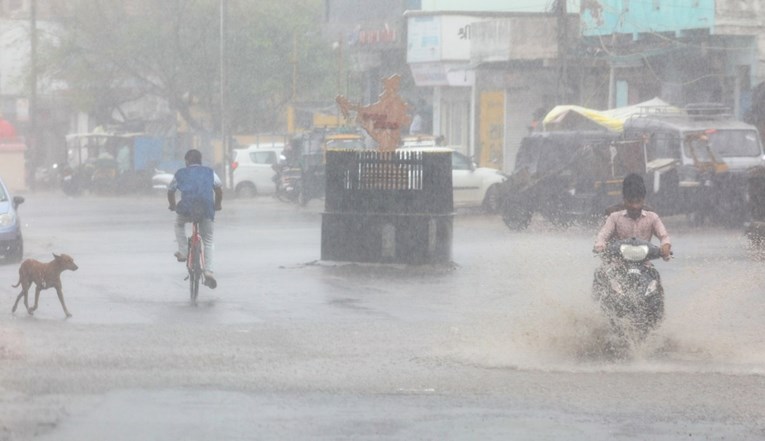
[[461, 162], [732, 143], [263, 157], [699, 149]]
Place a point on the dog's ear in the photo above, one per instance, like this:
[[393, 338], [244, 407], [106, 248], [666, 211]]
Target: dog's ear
[[56, 256]]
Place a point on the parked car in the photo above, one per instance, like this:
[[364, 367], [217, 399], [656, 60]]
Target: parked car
[[164, 173], [473, 186], [11, 240], [254, 169]]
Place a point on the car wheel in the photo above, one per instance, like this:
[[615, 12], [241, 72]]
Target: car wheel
[[246, 190], [17, 252], [491, 199]]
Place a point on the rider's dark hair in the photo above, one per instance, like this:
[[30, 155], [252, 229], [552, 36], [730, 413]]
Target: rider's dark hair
[[193, 156], [633, 187]]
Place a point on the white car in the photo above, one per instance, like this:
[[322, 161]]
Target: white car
[[253, 169], [473, 186], [164, 173]]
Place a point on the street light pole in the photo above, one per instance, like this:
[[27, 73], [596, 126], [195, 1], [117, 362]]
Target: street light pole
[[227, 157]]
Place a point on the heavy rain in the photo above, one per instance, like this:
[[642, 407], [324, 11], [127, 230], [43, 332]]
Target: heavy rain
[[416, 219]]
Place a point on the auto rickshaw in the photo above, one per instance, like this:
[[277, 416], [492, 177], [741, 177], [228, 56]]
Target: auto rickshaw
[[312, 148], [108, 162], [575, 176], [565, 176], [710, 152]]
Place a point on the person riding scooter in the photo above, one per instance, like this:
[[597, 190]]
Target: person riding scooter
[[634, 220], [626, 285]]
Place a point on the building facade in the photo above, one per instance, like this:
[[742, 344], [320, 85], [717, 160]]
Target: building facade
[[368, 39], [489, 72], [682, 51]]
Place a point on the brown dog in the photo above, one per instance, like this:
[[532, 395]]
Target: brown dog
[[44, 276]]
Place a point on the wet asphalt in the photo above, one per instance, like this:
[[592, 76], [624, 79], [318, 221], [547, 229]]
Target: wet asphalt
[[504, 343]]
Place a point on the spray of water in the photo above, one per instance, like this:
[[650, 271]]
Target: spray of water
[[712, 324]]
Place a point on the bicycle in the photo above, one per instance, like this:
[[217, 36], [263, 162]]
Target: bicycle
[[195, 261]]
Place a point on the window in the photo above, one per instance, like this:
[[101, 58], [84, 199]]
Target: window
[[663, 146], [731, 143], [263, 157], [460, 162]]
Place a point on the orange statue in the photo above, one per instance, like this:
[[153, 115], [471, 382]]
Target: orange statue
[[384, 119]]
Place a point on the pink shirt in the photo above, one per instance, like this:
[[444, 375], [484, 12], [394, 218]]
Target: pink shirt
[[619, 225]]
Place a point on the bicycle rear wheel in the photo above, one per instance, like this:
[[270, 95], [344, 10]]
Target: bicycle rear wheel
[[195, 270]]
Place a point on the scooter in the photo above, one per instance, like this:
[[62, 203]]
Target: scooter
[[288, 183], [68, 180], [629, 288]]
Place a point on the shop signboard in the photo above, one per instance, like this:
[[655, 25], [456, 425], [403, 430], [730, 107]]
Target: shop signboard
[[433, 38], [442, 74]]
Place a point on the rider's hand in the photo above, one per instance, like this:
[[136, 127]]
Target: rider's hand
[[218, 207], [171, 207], [666, 252], [598, 248]]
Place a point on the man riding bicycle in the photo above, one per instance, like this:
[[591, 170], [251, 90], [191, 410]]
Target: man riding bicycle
[[201, 196]]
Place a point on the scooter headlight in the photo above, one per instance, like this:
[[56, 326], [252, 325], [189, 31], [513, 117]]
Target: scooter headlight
[[634, 253]]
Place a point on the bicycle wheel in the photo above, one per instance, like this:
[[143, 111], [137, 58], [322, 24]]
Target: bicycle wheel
[[195, 270]]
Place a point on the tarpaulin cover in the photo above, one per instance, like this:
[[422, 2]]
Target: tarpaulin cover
[[570, 117]]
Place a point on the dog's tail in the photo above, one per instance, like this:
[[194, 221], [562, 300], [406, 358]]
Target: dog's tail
[[16, 285]]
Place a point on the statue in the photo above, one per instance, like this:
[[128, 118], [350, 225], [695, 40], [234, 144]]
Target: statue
[[384, 119]]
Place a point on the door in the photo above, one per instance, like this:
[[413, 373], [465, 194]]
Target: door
[[262, 171], [465, 181], [492, 128]]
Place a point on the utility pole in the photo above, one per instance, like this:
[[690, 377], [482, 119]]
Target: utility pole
[[562, 34], [34, 153], [338, 46], [294, 66]]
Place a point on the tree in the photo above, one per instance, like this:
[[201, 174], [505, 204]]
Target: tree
[[113, 52]]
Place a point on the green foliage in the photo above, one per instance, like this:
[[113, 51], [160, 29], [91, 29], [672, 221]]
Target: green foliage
[[113, 52]]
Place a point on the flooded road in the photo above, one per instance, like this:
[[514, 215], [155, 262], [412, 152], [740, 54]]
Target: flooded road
[[504, 344]]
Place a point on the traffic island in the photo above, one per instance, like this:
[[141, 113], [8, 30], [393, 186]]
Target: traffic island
[[388, 207]]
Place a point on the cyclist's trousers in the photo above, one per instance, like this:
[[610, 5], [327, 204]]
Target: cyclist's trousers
[[206, 229]]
